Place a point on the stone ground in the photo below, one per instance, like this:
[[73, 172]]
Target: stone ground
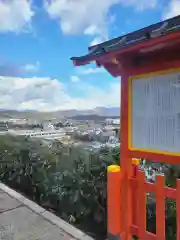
[[22, 219]]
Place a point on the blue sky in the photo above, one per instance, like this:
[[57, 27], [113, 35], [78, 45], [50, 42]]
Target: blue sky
[[37, 39]]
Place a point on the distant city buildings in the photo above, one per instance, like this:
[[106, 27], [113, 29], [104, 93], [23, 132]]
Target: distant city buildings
[[112, 121], [48, 125], [3, 126], [94, 134]]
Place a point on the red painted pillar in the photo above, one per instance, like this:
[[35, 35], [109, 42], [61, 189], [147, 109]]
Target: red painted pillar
[[126, 160], [135, 167], [113, 202]]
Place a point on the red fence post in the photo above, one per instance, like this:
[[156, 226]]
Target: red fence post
[[160, 208], [135, 164], [178, 209], [141, 201], [113, 202], [135, 167]]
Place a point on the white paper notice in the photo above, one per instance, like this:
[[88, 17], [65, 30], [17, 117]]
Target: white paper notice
[[156, 112]]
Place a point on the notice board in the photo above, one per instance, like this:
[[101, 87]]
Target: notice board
[[154, 112]]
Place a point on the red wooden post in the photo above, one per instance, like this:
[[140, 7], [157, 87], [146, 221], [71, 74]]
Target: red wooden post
[[135, 167], [126, 163], [178, 209], [135, 164], [141, 198], [113, 202], [160, 208]]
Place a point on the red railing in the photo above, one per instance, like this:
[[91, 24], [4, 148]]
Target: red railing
[[140, 187]]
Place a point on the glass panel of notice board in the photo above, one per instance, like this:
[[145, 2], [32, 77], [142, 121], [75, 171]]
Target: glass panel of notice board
[[155, 112]]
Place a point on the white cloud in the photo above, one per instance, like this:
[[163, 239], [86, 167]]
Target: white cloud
[[140, 5], [92, 30], [15, 15], [172, 10], [31, 68], [87, 71], [75, 79], [90, 17], [98, 40], [98, 96], [45, 94]]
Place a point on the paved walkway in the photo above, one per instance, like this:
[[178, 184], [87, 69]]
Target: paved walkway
[[22, 219]]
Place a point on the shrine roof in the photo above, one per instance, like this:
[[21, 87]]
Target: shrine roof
[[125, 42]]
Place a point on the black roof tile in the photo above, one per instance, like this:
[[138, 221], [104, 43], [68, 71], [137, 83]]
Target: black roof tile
[[145, 34]]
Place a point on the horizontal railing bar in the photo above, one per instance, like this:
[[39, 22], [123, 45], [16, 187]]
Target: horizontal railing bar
[[170, 193], [150, 187], [149, 236], [160, 158]]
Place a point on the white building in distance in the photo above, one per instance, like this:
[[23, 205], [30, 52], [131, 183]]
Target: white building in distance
[[113, 121]]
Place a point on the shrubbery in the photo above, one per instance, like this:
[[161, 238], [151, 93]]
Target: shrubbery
[[69, 183], [66, 183]]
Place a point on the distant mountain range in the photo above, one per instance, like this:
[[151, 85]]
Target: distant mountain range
[[98, 111], [114, 111]]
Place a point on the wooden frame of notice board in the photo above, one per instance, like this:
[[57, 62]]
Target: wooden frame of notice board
[[141, 148]]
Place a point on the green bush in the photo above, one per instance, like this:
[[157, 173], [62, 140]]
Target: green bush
[[70, 182]]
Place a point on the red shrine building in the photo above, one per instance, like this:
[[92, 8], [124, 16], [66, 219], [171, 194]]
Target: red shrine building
[[148, 62]]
